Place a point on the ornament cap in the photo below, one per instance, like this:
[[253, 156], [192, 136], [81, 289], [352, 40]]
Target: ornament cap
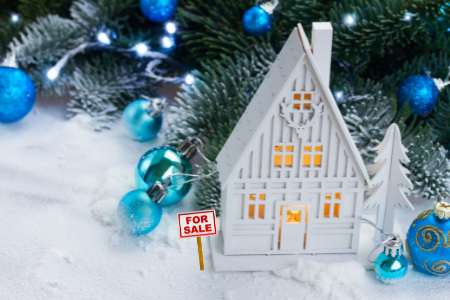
[[156, 106], [442, 209], [157, 192], [393, 245], [188, 148]]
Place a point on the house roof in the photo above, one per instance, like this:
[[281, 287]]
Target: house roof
[[296, 47]]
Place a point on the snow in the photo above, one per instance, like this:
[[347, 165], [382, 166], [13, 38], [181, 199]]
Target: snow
[[60, 183]]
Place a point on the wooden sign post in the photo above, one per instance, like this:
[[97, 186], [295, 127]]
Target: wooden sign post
[[197, 224]]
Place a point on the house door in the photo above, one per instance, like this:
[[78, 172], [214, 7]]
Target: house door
[[293, 220]]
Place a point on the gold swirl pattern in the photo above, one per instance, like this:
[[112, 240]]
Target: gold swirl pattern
[[423, 215], [407, 247], [441, 267], [427, 237]]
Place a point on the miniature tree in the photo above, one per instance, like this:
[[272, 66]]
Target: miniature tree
[[386, 188]]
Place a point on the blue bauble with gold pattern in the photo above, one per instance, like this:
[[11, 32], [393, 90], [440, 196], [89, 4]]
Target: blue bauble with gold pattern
[[159, 163], [428, 240], [143, 118]]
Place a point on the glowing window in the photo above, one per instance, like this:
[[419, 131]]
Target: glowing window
[[296, 106], [262, 196], [294, 216], [252, 196], [318, 148], [307, 106], [327, 195], [307, 160], [307, 97], [337, 208], [326, 210], [307, 148], [290, 148], [317, 160], [277, 160], [288, 160], [261, 211], [337, 196], [251, 211], [297, 96], [279, 148]]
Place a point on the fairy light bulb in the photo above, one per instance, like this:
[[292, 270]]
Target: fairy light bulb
[[141, 48], [349, 20], [189, 79], [167, 42], [171, 27], [15, 18], [103, 38], [52, 73]]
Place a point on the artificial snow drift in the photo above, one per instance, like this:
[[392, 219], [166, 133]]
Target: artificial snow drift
[[60, 183]]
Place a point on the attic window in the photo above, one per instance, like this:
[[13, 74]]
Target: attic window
[[312, 158], [285, 157]]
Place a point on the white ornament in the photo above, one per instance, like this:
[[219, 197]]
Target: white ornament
[[285, 192], [386, 188]]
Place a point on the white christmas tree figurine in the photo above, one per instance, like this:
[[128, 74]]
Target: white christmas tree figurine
[[386, 190]]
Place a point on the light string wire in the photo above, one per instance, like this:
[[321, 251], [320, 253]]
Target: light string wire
[[390, 237]]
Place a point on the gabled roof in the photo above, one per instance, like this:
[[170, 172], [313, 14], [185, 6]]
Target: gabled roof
[[296, 47]]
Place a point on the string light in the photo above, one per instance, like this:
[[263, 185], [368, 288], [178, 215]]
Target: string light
[[407, 17], [339, 96], [167, 42], [52, 73], [15, 18], [189, 79], [141, 48], [171, 27], [349, 20], [103, 38]]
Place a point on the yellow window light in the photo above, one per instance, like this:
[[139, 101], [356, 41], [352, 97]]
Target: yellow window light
[[262, 196], [318, 148], [318, 160], [307, 160], [307, 97], [288, 160], [251, 211], [337, 208], [296, 96], [252, 197], [277, 160], [307, 148], [279, 148], [290, 148], [326, 210], [261, 211]]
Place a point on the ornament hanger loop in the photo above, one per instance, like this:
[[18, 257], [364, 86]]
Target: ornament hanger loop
[[444, 193]]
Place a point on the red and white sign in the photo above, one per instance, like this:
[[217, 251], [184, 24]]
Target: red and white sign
[[197, 223]]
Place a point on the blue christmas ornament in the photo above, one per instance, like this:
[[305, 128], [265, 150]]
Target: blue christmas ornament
[[17, 94], [137, 213], [257, 21], [421, 91], [156, 166], [158, 10], [391, 265], [428, 240], [143, 118]]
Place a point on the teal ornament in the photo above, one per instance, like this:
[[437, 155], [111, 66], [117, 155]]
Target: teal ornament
[[257, 21], [157, 164], [17, 94], [143, 118], [427, 240], [421, 91], [137, 213], [158, 10], [391, 265]]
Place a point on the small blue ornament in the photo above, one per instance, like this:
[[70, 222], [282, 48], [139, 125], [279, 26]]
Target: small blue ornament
[[17, 94], [421, 91], [157, 164], [137, 213], [257, 21], [158, 10], [143, 119], [391, 265], [427, 240]]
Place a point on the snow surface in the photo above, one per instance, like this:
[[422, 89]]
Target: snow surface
[[60, 183]]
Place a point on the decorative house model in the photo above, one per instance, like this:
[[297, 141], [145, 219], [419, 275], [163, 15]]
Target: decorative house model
[[292, 178]]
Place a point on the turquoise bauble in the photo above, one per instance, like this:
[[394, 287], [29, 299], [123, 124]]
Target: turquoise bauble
[[257, 21], [421, 91], [17, 94], [390, 269], [137, 120], [158, 10], [137, 213], [158, 164], [427, 240]]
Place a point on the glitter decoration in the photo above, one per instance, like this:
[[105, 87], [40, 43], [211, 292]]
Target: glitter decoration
[[421, 91], [158, 10], [17, 94]]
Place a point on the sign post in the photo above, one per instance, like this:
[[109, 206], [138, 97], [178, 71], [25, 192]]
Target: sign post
[[197, 224]]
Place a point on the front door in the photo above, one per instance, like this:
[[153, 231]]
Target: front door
[[292, 234]]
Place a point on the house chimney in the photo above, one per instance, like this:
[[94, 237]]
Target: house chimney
[[321, 44]]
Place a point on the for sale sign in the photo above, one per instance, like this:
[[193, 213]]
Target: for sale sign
[[197, 223]]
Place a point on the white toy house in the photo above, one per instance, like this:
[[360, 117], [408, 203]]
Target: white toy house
[[292, 178]]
